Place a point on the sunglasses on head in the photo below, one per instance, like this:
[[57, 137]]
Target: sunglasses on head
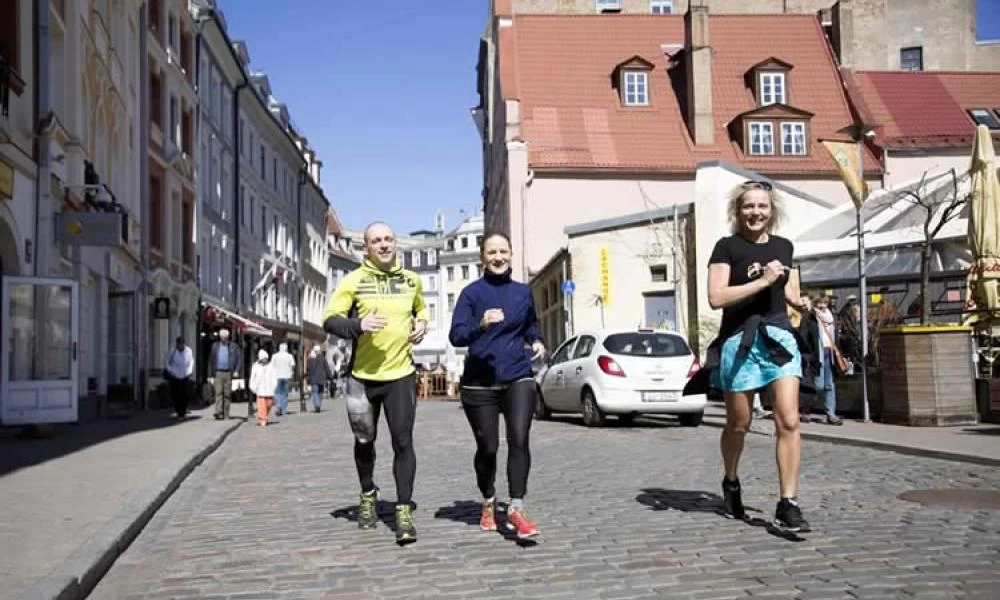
[[758, 185]]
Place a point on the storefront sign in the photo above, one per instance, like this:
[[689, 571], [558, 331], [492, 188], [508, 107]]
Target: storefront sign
[[605, 278], [89, 228], [6, 181]]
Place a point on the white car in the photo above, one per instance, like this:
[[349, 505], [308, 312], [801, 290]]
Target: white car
[[623, 373]]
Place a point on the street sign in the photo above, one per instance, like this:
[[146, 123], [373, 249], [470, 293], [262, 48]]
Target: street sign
[[568, 286], [101, 229]]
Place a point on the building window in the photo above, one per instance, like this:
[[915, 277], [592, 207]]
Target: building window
[[465, 272], [156, 100], [608, 5], [263, 163], [761, 138], [479, 241], [451, 245], [432, 283], [451, 273], [661, 7], [983, 116], [658, 274], [250, 213], [465, 242], [479, 270], [156, 209], [772, 88], [274, 173], [793, 138], [451, 302], [911, 59], [175, 126], [432, 311], [186, 241], [431, 258], [635, 86], [415, 258]]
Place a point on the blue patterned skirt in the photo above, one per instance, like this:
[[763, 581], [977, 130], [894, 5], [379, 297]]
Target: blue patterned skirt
[[757, 368]]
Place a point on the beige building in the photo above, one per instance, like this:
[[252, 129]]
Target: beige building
[[931, 35]]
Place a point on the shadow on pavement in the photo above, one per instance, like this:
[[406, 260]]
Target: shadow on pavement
[[469, 511], [25, 447], [983, 431], [705, 502], [613, 422]]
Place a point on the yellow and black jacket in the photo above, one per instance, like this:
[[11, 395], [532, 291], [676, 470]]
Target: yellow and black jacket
[[397, 295]]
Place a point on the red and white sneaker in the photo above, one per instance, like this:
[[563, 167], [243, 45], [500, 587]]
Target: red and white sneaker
[[488, 522], [518, 521]]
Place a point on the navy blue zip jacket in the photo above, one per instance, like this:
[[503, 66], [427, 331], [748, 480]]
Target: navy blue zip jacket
[[497, 355]]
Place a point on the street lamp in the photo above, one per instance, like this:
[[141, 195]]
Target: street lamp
[[859, 132]]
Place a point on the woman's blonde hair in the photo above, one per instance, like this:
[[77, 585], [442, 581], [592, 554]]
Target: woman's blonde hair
[[736, 201]]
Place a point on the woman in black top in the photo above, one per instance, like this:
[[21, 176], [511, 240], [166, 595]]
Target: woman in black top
[[757, 347]]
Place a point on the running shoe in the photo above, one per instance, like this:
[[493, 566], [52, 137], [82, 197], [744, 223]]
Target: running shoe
[[367, 517], [518, 522], [788, 516], [406, 533], [487, 521], [732, 499]]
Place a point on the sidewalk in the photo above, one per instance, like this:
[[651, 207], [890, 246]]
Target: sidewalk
[[970, 443], [75, 500]]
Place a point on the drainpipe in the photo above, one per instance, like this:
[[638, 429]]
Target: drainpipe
[[238, 210], [44, 232], [303, 179], [142, 298]]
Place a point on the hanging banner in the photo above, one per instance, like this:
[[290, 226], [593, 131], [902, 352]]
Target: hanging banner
[[845, 154], [605, 278]]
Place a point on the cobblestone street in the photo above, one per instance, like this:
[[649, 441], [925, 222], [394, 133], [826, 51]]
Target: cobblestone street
[[626, 512]]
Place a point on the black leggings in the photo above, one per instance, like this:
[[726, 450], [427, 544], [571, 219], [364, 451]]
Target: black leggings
[[364, 402], [482, 408]]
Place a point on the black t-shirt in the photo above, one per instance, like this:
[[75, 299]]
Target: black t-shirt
[[747, 262]]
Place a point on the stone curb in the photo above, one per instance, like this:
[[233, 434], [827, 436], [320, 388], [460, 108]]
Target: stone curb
[[876, 445], [77, 576]]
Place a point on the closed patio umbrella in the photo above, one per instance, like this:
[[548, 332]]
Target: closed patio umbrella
[[984, 225]]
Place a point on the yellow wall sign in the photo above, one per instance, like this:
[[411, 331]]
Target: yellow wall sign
[[6, 181], [605, 278]]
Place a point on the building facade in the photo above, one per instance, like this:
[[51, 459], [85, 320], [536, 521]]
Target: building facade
[[314, 248], [460, 266]]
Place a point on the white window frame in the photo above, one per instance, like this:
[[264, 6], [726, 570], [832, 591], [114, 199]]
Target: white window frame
[[639, 95], [431, 258], [451, 273], [793, 138], [661, 7], [606, 5], [465, 272], [773, 89], [761, 126], [415, 258]]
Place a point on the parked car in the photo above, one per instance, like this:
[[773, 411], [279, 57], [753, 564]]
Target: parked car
[[623, 373]]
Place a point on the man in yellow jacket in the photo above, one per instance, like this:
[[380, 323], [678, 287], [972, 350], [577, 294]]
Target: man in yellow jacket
[[380, 307]]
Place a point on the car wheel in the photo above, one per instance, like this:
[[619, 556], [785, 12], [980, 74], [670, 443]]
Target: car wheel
[[691, 419], [542, 412], [592, 414]]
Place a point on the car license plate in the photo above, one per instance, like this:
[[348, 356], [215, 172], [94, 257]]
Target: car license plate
[[661, 396]]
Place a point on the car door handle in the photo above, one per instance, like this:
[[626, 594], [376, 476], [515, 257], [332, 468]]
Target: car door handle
[[559, 374], [578, 370]]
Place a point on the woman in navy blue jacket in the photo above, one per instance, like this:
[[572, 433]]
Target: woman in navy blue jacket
[[495, 318]]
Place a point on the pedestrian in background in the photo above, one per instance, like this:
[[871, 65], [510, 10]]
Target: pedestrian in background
[[826, 381], [284, 370], [317, 374], [224, 360], [179, 370], [263, 384]]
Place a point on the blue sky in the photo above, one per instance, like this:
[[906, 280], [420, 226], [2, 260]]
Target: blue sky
[[382, 89]]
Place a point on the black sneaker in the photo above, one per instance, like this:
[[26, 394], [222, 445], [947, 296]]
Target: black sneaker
[[406, 532], [732, 499], [367, 517], [788, 516]]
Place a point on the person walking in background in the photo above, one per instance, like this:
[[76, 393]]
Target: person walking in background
[[495, 318], [810, 346], [825, 383], [179, 370], [317, 374], [263, 384], [284, 370], [224, 362]]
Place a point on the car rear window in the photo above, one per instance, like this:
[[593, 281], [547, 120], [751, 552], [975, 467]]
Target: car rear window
[[646, 344]]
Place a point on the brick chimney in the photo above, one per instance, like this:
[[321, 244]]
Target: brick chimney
[[698, 68]]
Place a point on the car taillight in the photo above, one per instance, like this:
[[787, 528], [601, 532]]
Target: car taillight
[[609, 366], [695, 367]]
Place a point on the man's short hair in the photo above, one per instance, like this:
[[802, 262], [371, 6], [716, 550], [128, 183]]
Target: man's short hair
[[373, 224]]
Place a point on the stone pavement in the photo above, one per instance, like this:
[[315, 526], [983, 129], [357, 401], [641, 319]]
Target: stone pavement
[[969, 443], [626, 512], [72, 501]]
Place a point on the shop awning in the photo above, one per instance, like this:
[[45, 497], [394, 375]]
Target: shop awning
[[245, 324]]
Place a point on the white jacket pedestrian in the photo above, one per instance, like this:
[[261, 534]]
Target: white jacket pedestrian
[[263, 381], [283, 363]]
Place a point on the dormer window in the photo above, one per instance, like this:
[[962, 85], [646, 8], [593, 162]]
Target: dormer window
[[793, 138], [772, 88], [761, 138], [632, 80], [635, 88], [769, 81]]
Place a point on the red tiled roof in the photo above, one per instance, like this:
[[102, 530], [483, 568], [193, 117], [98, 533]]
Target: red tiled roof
[[560, 68], [922, 109]]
